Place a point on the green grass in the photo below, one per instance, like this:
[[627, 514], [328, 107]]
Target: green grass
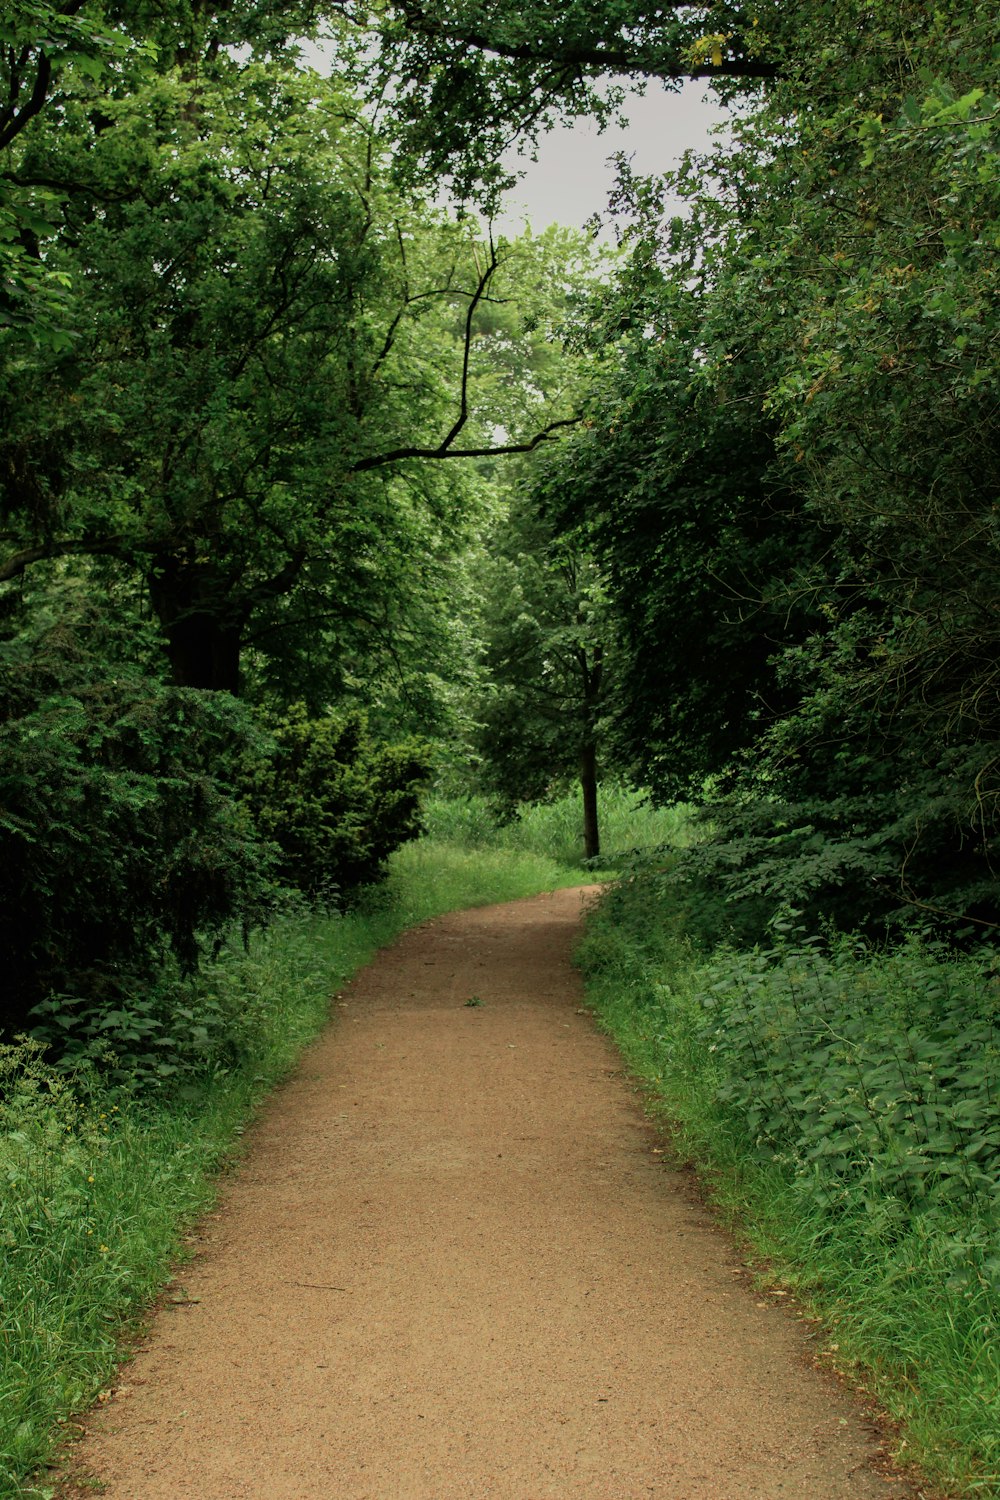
[[554, 830], [842, 1111]]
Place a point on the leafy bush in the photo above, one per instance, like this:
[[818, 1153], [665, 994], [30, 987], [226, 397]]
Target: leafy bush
[[334, 802], [882, 840], [160, 1036], [868, 1074], [121, 849], [875, 1075], [181, 1033]]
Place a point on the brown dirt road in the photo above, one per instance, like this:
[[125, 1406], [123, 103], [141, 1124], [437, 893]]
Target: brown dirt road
[[452, 1268]]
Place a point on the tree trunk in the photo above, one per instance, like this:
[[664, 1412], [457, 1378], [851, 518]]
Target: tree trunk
[[588, 783], [203, 639], [592, 676], [204, 653]]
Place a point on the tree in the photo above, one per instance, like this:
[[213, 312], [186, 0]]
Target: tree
[[48, 50], [122, 845], [671, 477], [265, 339], [870, 226], [464, 79], [776, 472], [548, 658]]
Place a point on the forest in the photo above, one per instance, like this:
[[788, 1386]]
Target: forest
[[358, 560]]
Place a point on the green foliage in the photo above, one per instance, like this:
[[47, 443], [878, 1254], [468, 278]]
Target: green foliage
[[547, 658], [842, 1107], [266, 338], [164, 1035], [874, 1077], [41, 45], [94, 1193], [120, 850], [697, 543], [479, 74], [54, 50], [334, 802], [894, 847], [776, 476]]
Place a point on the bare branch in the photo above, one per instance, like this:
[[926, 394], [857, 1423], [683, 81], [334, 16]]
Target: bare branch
[[485, 277], [398, 455]]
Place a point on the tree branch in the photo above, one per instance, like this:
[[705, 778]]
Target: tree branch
[[463, 406], [578, 57], [15, 565], [12, 119], [397, 455]]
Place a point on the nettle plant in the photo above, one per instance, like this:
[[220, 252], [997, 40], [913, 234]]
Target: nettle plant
[[876, 1077]]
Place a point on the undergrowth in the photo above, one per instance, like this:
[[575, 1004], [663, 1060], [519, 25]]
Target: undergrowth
[[842, 1106], [105, 1161]]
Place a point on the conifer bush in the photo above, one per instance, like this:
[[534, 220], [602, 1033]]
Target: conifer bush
[[334, 801], [122, 848]]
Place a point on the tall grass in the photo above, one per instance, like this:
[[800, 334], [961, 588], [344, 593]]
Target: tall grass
[[842, 1106], [554, 830]]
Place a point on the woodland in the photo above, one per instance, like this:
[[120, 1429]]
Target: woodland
[[331, 516]]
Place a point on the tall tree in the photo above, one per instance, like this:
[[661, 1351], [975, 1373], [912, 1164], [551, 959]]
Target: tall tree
[[821, 358]]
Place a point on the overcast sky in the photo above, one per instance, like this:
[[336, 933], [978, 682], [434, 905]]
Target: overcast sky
[[572, 179]]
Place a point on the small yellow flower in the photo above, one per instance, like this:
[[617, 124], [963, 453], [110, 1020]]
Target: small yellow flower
[[90, 1179], [103, 1249]]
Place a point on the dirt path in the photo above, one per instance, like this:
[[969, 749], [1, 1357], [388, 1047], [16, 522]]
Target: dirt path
[[452, 1266]]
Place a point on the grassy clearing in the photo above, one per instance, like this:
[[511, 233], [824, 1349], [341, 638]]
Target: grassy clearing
[[843, 1109], [98, 1184], [554, 830]]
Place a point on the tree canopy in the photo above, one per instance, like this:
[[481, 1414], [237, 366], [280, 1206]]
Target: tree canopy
[[788, 470], [463, 80], [257, 377]]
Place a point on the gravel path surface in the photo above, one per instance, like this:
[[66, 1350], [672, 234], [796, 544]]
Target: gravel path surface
[[453, 1267]]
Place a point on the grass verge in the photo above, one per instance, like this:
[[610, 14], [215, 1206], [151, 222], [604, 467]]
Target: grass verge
[[841, 1107]]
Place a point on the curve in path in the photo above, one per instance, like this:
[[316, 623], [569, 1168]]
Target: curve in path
[[451, 1266]]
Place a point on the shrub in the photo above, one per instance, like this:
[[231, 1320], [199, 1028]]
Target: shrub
[[121, 850], [334, 802]]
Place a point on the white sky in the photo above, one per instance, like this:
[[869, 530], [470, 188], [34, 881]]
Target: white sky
[[572, 178]]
